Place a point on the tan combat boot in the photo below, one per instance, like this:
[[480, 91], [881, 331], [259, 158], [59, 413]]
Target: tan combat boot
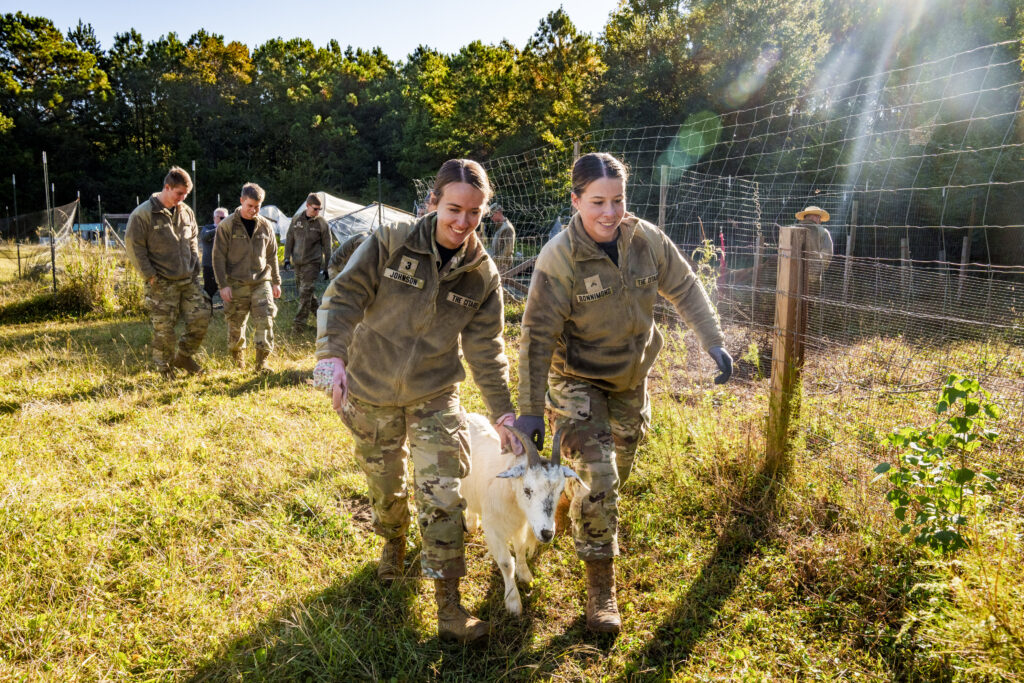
[[261, 360], [602, 611], [453, 621], [392, 560], [238, 358], [186, 363]]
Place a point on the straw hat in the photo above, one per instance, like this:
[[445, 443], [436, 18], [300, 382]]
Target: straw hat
[[813, 210]]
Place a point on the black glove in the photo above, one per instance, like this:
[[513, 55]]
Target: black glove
[[326, 276], [286, 265], [533, 427], [724, 362]]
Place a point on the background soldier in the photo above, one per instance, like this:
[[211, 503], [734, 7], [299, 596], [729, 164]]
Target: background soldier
[[206, 235], [503, 241], [343, 253], [308, 248], [162, 242], [245, 264]]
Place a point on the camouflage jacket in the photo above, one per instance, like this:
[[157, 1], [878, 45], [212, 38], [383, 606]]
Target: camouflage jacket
[[241, 260], [588, 319], [308, 241], [163, 241], [398, 323], [503, 241], [343, 253]]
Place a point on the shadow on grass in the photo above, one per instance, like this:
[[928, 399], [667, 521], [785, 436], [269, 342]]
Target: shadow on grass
[[355, 629], [695, 613], [361, 630]]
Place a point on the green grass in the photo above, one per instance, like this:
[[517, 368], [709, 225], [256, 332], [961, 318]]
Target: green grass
[[216, 528]]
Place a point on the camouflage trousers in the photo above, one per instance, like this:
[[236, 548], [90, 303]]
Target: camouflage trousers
[[258, 299], [167, 301], [305, 280], [434, 431], [600, 434]]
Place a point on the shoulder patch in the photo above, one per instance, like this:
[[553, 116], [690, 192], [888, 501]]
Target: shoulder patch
[[408, 265]]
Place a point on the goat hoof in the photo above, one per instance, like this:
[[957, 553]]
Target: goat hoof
[[514, 605]]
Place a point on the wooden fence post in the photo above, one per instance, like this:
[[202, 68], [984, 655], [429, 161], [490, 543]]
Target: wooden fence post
[[663, 196], [906, 274], [788, 348], [851, 243], [758, 250], [965, 253]]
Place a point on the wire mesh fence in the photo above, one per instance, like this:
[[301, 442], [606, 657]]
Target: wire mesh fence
[[25, 247], [920, 170]]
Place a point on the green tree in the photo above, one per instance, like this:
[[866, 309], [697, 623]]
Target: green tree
[[562, 68], [49, 87]]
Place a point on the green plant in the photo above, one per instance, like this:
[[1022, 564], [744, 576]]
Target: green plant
[[97, 281], [705, 259], [935, 480], [753, 356]]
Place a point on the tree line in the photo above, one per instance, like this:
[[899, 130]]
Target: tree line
[[296, 117]]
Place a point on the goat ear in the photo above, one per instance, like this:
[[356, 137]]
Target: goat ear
[[572, 475], [512, 472]]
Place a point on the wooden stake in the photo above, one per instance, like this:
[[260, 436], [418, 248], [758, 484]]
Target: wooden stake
[[663, 197], [788, 348]]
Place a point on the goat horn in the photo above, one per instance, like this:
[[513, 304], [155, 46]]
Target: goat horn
[[556, 448], [532, 456]]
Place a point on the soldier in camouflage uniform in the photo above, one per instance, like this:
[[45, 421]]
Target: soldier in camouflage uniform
[[503, 241], [308, 249], [162, 243], [245, 264], [588, 343], [343, 253], [389, 332]]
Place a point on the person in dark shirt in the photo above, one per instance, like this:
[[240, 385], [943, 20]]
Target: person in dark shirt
[[206, 235]]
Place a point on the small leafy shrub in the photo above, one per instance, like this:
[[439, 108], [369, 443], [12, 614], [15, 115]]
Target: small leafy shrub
[[753, 356], [705, 259], [935, 480], [97, 281]]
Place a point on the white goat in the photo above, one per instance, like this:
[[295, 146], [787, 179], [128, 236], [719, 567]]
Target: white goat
[[513, 498]]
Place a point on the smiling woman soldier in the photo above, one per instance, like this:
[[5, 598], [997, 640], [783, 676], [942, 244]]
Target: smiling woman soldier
[[589, 341], [389, 332]]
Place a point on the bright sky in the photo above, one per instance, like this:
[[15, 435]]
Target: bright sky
[[397, 26]]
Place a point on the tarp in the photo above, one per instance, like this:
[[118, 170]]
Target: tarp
[[345, 218]]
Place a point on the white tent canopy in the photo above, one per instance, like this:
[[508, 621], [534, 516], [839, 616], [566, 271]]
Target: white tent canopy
[[345, 218]]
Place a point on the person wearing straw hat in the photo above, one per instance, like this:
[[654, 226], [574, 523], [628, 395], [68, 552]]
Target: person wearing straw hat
[[817, 246]]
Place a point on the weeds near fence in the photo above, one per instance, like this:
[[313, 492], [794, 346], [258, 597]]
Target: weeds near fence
[[98, 281], [936, 480]]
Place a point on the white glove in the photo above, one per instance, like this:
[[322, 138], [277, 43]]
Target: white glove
[[329, 376]]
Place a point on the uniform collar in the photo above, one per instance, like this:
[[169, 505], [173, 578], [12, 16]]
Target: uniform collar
[[583, 245], [421, 240], [158, 206]]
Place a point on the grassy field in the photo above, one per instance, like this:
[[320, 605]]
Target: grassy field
[[216, 528]]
